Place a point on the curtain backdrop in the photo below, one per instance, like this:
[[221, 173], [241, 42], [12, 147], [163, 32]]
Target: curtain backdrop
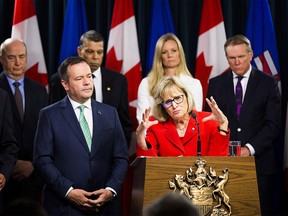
[[186, 17]]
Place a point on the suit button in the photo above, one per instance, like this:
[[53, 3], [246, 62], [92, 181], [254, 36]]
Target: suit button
[[238, 129]]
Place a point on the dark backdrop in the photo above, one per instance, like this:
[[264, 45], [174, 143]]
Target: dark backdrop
[[186, 15]]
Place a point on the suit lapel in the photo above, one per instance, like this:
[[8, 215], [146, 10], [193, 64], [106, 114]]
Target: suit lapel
[[191, 131], [5, 85], [106, 86], [97, 117], [249, 94], [69, 115], [173, 137], [230, 101]]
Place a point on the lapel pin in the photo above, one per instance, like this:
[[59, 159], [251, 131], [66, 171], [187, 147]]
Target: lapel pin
[[99, 112], [108, 89]]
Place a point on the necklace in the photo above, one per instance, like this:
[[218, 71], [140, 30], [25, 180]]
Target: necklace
[[182, 130]]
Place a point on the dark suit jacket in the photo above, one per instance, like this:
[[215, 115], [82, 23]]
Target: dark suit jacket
[[115, 93], [260, 116], [165, 141], [62, 157], [8, 144], [36, 97]]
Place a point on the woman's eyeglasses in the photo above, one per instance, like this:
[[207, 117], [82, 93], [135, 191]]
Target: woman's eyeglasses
[[168, 103]]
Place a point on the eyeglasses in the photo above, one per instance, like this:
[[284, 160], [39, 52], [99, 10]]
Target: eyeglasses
[[168, 103]]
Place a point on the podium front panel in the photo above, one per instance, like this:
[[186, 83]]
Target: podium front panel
[[152, 176]]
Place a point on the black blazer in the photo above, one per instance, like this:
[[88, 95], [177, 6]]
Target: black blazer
[[36, 98], [260, 117], [115, 93], [8, 144]]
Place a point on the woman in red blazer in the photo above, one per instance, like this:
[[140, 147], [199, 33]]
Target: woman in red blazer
[[176, 128]]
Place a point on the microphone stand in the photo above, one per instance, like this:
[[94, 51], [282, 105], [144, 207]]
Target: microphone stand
[[198, 140]]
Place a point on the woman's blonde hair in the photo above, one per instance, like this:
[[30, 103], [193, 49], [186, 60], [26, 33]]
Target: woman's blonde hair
[[157, 71], [166, 86]]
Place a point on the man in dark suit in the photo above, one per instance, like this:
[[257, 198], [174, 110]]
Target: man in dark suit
[[110, 87], [8, 145], [257, 124], [24, 182], [83, 171]]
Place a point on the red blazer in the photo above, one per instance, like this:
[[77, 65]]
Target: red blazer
[[164, 139]]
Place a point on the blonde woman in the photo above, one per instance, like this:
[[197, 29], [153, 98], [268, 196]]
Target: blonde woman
[[169, 60], [173, 129]]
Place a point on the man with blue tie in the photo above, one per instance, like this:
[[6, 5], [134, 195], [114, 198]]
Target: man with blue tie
[[80, 148], [27, 97], [251, 101]]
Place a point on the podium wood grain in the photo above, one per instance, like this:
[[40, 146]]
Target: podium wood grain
[[151, 176]]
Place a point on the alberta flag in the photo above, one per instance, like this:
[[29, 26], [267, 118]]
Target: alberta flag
[[260, 32], [74, 26], [25, 27], [161, 22]]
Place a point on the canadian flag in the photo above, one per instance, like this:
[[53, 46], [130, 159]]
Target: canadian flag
[[211, 60], [123, 52], [25, 27]]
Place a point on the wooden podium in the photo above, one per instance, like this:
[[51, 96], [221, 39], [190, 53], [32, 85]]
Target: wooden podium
[[152, 174]]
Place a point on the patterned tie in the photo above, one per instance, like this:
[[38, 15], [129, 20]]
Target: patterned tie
[[238, 96], [18, 100], [85, 127]]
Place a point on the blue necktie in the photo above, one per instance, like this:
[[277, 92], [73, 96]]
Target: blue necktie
[[238, 96]]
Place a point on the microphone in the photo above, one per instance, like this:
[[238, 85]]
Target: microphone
[[199, 140]]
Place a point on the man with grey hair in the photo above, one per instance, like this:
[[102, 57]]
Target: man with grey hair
[[27, 97], [251, 101]]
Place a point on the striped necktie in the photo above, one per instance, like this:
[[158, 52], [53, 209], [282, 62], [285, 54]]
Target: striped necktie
[[85, 127], [238, 96]]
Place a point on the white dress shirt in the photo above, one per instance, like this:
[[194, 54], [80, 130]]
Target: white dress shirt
[[244, 83], [98, 85]]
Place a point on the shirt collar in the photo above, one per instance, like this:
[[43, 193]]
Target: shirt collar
[[11, 81], [246, 75], [97, 73], [75, 104]]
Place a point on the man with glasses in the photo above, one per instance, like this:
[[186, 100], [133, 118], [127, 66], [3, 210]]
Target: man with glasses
[[251, 101]]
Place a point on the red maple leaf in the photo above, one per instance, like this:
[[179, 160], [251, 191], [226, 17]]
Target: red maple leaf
[[33, 74], [203, 73], [112, 62]]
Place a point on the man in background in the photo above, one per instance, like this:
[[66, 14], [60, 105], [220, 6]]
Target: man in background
[[27, 97], [8, 145], [80, 149], [110, 87], [251, 101]]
